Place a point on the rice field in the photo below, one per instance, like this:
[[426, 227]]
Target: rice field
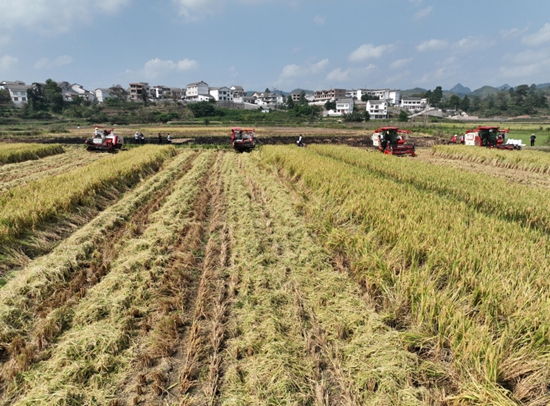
[[304, 276], [10, 153]]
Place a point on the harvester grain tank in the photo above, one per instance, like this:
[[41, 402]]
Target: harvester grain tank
[[243, 139], [390, 141], [104, 141]]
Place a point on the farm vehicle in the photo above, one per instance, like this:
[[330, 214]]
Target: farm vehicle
[[104, 141], [390, 141], [243, 139], [490, 137]]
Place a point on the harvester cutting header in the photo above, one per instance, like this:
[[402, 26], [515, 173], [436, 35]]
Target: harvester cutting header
[[390, 141]]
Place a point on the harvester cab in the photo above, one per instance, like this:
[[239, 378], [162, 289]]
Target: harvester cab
[[391, 141], [104, 141], [490, 137], [243, 139]]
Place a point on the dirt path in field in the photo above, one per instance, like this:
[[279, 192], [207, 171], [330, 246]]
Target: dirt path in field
[[511, 175]]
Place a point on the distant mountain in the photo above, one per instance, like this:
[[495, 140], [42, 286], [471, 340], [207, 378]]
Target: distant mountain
[[413, 92], [543, 86], [460, 90], [504, 87], [299, 90], [485, 91]]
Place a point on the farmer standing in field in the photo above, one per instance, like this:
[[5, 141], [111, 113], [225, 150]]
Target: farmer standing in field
[[160, 139], [533, 138]]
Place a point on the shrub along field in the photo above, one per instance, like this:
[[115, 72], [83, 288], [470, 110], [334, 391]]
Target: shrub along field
[[308, 276]]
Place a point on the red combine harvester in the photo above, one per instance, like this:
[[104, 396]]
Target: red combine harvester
[[389, 140], [243, 139], [490, 137], [104, 141]]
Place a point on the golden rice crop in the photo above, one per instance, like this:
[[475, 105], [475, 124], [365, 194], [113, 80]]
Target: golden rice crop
[[468, 289], [301, 332], [10, 153], [530, 206], [532, 161], [94, 355], [24, 207]]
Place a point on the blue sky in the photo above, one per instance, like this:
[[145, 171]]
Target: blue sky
[[282, 44]]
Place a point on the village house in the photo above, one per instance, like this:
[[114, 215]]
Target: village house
[[344, 106], [413, 103], [137, 90], [197, 91], [377, 109], [328, 95], [17, 90], [69, 92], [221, 93]]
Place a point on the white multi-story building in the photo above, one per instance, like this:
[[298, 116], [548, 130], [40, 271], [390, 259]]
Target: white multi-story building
[[328, 95], [377, 109], [237, 91], [344, 106], [392, 96], [195, 89], [221, 93], [69, 91], [413, 103], [101, 94], [268, 100], [18, 91]]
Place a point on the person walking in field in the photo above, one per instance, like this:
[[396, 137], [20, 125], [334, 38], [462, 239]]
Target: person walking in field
[[300, 142], [160, 139], [136, 138], [169, 138], [533, 138]]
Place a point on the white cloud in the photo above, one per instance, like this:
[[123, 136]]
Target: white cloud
[[191, 10], [527, 57], [293, 71], [318, 20], [512, 33], [45, 63], [425, 12], [473, 43], [54, 16], [527, 71], [541, 37], [369, 51], [340, 75], [8, 62], [156, 67], [400, 63], [432, 45]]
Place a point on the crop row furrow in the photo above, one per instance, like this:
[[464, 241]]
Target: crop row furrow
[[25, 208], [12, 175], [48, 310], [291, 302], [91, 358]]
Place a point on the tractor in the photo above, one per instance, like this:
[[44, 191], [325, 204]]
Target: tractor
[[243, 139], [104, 141], [490, 137], [389, 140]]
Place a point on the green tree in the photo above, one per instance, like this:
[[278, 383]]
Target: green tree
[[202, 109], [454, 102], [53, 96], [465, 103], [403, 116], [5, 97], [267, 90], [289, 102], [303, 99], [476, 103], [330, 105], [367, 97], [118, 92]]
